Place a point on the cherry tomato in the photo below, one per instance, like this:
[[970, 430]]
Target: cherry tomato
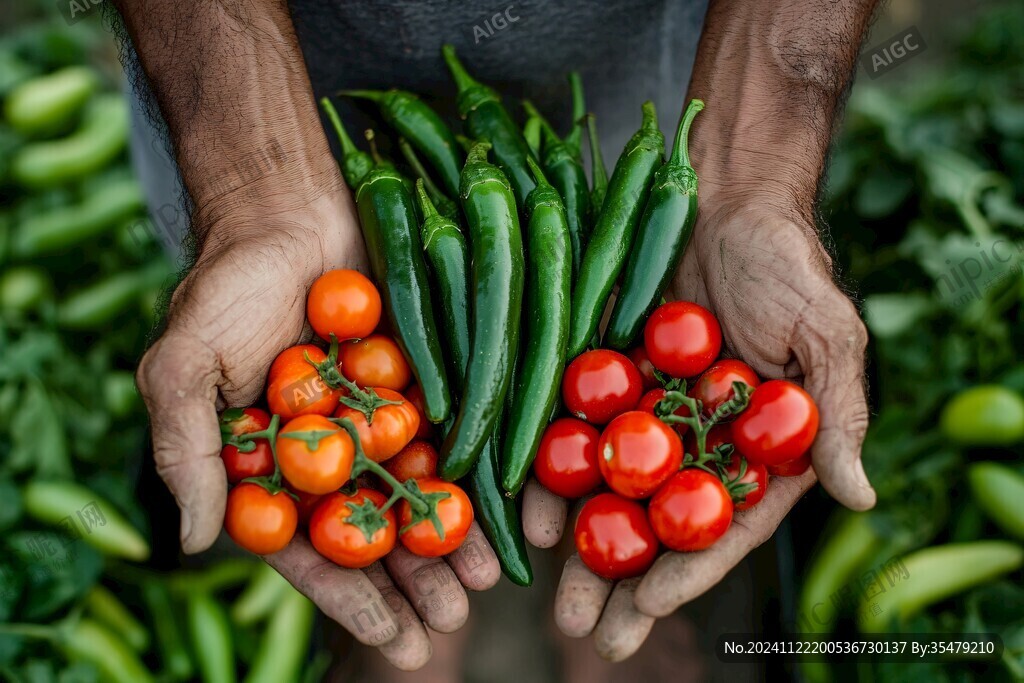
[[637, 452], [415, 396], [418, 460], [455, 512], [258, 462], [719, 435], [682, 338], [345, 303], [321, 469], [259, 521], [779, 424], [566, 461], [714, 386], [638, 355], [691, 511], [375, 361], [393, 427], [614, 538], [343, 543], [598, 385], [791, 468], [294, 387], [651, 398], [305, 504], [755, 474]]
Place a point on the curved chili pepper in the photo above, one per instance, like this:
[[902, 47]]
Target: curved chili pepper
[[542, 360], [598, 172], [487, 119], [355, 163], [445, 206], [497, 293], [418, 123], [664, 230], [615, 229]]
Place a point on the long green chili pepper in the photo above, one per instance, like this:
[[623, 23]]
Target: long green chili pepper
[[598, 172], [355, 163], [496, 295], [565, 171], [445, 206], [548, 288], [285, 643], [615, 228], [173, 654], [388, 217], [531, 133], [487, 119], [446, 251], [260, 596], [110, 611], [664, 230], [418, 123], [91, 642], [579, 112], [211, 638]]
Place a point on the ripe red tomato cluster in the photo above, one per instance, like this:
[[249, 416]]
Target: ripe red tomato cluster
[[636, 439], [302, 466]]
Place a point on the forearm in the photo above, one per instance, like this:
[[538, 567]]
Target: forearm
[[232, 86], [773, 75]]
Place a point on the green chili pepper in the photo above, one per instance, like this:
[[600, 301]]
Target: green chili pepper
[[548, 289], [99, 139], [664, 231], [210, 635], [445, 206], [173, 654], [615, 228], [285, 643], [65, 226], [90, 642], [999, 491], [45, 103], [531, 133], [935, 574], [52, 502], [574, 140], [446, 252], [96, 304], [487, 119], [260, 597], [355, 163], [420, 124], [110, 611], [387, 215], [222, 575], [565, 170], [497, 292], [599, 187]]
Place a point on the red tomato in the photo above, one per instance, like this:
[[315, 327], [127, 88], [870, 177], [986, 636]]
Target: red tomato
[[258, 462], [294, 387], [345, 303], [261, 522], [343, 543], [719, 435], [779, 424], [566, 461], [651, 398], [691, 511], [375, 361], [598, 385], [791, 468], [638, 355], [415, 396], [418, 460], [755, 474], [614, 538], [393, 427], [455, 511], [637, 453], [682, 338], [321, 469], [714, 386]]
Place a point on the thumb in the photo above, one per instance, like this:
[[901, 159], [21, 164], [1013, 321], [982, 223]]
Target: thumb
[[178, 379]]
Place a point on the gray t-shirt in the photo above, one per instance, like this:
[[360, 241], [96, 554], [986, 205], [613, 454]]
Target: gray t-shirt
[[626, 52]]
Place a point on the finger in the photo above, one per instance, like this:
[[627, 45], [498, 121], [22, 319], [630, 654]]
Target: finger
[[622, 628], [410, 649], [580, 598], [345, 595], [678, 578], [178, 380], [829, 346], [543, 515], [432, 588], [474, 562]]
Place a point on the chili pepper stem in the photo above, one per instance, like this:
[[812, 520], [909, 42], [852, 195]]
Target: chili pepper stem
[[478, 153], [598, 170], [372, 95], [579, 111], [650, 117], [417, 166], [347, 146], [462, 78], [681, 150]]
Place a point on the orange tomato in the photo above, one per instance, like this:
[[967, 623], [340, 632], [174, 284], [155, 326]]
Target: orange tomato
[[376, 361], [321, 469], [344, 543], [259, 521], [345, 303], [294, 387], [418, 460], [393, 426], [455, 512]]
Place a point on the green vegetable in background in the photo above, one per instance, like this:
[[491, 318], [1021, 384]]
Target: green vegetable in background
[[987, 415], [53, 502], [90, 642], [45, 103], [211, 639], [261, 595], [174, 655], [23, 288], [97, 304], [285, 644], [999, 492], [111, 612]]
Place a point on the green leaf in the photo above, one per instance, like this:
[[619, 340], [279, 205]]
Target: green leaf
[[10, 504], [888, 315], [37, 435], [882, 191], [58, 570]]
